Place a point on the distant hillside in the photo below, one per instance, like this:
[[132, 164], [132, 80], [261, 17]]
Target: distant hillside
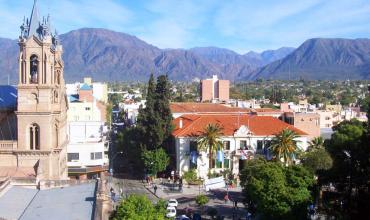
[[325, 59], [112, 56]]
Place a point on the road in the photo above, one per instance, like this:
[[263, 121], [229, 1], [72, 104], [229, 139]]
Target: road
[[216, 201]]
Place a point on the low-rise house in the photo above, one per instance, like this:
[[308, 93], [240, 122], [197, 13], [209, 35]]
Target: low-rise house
[[243, 137]]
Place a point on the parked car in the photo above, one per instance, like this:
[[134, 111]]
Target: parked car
[[171, 212], [182, 217], [172, 203]]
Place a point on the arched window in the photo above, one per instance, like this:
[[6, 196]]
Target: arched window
[[34, 68], [34, 137]]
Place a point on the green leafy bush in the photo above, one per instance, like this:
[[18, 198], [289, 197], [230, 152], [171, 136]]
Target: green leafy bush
[[201, 200]]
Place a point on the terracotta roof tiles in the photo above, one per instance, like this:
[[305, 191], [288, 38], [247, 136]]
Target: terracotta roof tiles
[[190, 107], [194, 124]]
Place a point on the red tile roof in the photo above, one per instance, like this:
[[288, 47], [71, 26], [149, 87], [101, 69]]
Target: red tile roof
[[194, 124], [193, 107], [266, 110]]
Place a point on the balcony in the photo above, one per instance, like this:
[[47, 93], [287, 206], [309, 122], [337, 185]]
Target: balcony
[[8, 145]]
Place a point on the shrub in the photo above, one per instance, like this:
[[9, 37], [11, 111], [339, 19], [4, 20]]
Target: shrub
[[190, 176], [201, 200]]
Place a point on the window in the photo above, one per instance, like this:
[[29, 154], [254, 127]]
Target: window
[[243, 145], [34, 67], [226, 145], [193, 146], [34, 137], [259, 146], [226, 163], [96, 155], [73, 157], [218, 163]]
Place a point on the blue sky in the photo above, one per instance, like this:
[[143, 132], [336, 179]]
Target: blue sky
[[240, 25]]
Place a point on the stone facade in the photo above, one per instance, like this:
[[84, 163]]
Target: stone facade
[[41, 104]]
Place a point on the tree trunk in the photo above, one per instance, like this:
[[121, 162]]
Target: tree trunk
[[210, 159]]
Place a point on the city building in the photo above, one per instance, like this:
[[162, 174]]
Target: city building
[[87, 151], [98, 89], [307, 122], [34, 147], [213, 90], [243, 137]]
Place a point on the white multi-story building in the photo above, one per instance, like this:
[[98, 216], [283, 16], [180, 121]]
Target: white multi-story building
[[88, 148], [244, 136]]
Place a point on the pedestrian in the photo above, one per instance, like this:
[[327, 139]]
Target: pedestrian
[[155, 189], [226, 198], [236, 204], [249, 216]]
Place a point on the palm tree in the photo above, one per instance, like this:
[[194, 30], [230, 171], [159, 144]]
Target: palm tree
[[210, 140], [316, 143], [284, 146]]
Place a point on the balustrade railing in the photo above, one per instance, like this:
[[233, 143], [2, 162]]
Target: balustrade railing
[[8, 145]]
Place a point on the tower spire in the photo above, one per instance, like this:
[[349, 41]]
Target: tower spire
[[34, 20]]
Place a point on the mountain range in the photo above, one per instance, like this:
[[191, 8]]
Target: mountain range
[[113, 56], [324, 59]]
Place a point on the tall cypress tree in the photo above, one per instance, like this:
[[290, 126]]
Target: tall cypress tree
[[149, 123], [162, 105]]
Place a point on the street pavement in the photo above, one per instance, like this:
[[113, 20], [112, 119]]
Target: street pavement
[[123, 187], [186, 200]]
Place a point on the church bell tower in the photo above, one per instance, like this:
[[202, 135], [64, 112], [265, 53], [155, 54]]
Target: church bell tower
[[42, 104]]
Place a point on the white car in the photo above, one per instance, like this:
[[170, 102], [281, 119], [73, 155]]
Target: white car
[[171, 212], [172, 203]]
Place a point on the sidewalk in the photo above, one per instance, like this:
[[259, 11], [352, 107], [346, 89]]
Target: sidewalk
[[165, 191]]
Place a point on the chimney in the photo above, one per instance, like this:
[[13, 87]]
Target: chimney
[[180, 123]]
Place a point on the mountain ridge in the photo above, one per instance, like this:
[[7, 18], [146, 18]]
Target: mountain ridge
[[114, 56], [321, 58]]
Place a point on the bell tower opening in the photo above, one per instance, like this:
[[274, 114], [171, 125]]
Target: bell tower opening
[[34, 69]]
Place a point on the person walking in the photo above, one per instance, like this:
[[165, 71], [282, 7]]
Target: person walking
[[235, 204], [226, 198], [155, 189]]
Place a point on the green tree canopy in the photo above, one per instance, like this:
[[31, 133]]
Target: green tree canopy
[[277, 191], [209, 140], [316, 143], [284, 146], [139, 207], [155, 160], [317, 160]]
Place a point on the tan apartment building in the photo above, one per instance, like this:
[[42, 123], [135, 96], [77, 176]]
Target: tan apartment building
[[307, 122], [214, 89]]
